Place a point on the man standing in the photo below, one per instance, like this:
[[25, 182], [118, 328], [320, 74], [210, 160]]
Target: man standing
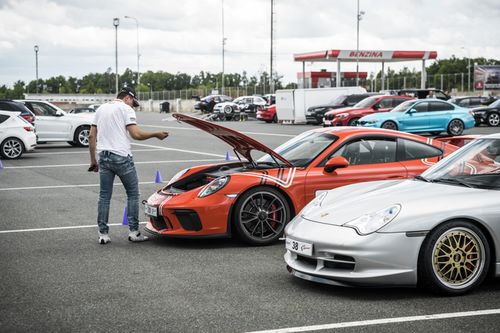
[[108, 134]]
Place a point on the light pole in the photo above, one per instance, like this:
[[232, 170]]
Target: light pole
[[359, 18], [468, 69], [138, 54], [116, 23], [36, 65], [223, 44]]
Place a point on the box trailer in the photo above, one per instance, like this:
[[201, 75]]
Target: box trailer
[[292, 104]]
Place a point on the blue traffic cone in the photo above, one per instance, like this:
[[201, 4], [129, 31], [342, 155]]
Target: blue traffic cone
[[158, 177], [125, 216], [227, 156], [1, 165]]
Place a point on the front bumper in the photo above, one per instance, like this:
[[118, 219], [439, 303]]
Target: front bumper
[[186, 215], [265, 115], [342, 257], [314, 118]]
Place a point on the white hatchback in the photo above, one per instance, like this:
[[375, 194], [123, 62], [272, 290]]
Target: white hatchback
[[16, 135], [55, 125]]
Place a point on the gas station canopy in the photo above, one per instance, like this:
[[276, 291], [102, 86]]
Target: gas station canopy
[[382, 57]]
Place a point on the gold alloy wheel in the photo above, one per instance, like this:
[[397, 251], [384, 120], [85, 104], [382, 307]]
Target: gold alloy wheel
[[458, 258]]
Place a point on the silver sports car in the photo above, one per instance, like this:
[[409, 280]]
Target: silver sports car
[[440, 230]]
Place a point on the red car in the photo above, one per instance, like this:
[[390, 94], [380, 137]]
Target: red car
[[257, 198], [350, 115], [268, 114]]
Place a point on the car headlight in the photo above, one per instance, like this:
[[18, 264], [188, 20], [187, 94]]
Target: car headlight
[[342, 115], [369, 122], [214, 186], [314, 204], [177, 176], [370, 223]]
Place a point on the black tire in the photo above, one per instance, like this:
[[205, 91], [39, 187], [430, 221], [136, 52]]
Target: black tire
[[228, 109], [236, 117], [260, 215], [275, 118], [81, 137], [268, 121], [11, 148], [390, 125], [72, 143], [454, 258], [352, 122], [455, 127], [493, 119]]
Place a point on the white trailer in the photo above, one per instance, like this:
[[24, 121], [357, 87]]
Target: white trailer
[[292, 104]]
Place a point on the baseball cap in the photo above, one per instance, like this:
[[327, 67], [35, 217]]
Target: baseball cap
[[131, 93]]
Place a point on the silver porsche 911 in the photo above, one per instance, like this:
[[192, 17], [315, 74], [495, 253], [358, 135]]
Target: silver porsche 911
[[440, 230]]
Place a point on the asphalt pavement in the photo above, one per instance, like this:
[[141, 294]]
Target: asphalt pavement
[[55, 277]]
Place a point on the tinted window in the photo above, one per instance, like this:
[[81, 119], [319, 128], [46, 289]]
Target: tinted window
[[397, 101], [422, 107], [368, 151], [385, 103], [353, 99], [3, 118], [463, 103], [6, 106], [440, 106], [476, 101], [412, 150], [440, 95]]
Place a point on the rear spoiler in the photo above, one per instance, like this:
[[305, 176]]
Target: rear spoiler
[[458, 141]]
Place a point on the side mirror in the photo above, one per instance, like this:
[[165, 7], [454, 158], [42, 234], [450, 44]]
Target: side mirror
[[335, 163], [412, 111], [59, 113]]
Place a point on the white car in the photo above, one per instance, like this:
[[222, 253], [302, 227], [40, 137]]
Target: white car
[[244, 103], [16, 135], [55, 125]]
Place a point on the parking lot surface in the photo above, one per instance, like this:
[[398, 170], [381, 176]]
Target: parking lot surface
[[56, 277]]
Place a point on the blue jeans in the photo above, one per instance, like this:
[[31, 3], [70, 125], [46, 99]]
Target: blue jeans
[[110, 165]]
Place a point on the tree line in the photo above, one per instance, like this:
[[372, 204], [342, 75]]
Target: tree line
[[104, 83]]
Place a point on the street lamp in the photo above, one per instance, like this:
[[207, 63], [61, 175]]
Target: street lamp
[[223, 44], [116, 23], [138, 54], [150, 90], [36, 65], [359, 18], [468, 69]]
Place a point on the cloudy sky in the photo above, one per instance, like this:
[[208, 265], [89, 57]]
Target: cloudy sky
[[77, 37]]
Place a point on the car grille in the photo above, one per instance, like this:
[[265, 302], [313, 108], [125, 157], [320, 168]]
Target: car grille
[[329, 116], [189, 219], [336, 261], [161, 223]]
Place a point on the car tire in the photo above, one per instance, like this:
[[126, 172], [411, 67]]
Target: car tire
[[72, 143], [493, 119], [228, 109], [236, 117], [275, 118], [454, 258], [435, 133], [390, 125], [455, 127], [352, 122], [81, 137], [260, 215], [11, 148]]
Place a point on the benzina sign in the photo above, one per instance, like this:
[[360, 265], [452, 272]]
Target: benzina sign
[[366, 54]]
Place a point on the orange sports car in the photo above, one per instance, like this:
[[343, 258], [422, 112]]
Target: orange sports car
[[256, 198]]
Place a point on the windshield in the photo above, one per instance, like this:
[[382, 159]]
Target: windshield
[[475, 165], [403, 107], [338, 100], [366, 102], [302, 149], [495, 104]]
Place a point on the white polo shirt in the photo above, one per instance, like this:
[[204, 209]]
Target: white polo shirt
[[112, 120]]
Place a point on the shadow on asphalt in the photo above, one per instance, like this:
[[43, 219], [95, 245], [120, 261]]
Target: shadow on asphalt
[[204, 244]]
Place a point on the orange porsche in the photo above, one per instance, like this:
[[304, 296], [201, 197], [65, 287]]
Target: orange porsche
[[255, 198]]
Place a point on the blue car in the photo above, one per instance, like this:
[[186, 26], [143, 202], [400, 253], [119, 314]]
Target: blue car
[[423, 115]]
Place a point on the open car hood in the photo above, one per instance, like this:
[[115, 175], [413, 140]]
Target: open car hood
[[240, 142]]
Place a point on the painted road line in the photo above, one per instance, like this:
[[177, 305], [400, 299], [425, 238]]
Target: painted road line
[[60, 186], [181, 150], [384, 321], [196, 129], [87, 164], [60, 228]]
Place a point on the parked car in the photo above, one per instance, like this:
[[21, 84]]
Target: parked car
[[256, 198], [17, 135], [247, 104], [10, 105], [315, 114], [378, 234], [374, 104], [270, 99], [206, 104], [82, 110], [55, 125], [489, 115], [423, 115], [268, 114], [424, 93], [472, 101]]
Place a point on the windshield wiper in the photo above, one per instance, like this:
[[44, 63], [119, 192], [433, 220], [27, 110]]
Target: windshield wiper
[[453, 181]]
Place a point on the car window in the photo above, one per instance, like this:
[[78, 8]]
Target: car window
[[3, 118], [463, 103], [397, 101], [440, 95], [368, 151], [6, 106], [476, 101], [368, 101], [412, 150], [44, 109], [385, 103], [353, 99], [422, 107], [440, 106]]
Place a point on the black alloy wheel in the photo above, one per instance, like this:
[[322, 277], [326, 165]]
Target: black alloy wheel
[[260, 215]]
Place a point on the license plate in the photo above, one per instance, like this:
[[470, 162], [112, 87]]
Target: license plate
[[299, 247], [327, 122], [151, 210]]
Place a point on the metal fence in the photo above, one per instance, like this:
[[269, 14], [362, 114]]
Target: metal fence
[[194, 93]]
